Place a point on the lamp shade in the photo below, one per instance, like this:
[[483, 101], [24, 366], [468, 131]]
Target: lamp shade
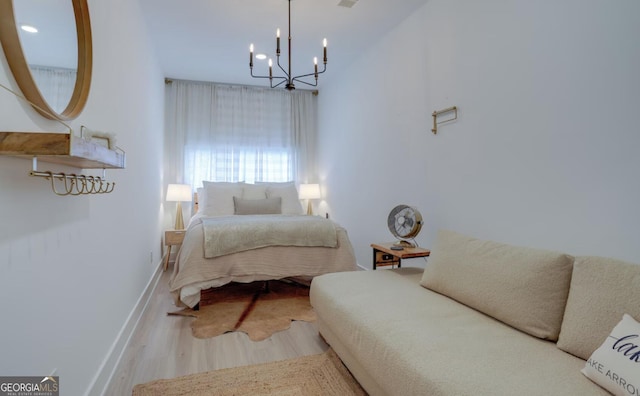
[[310, 191], [179, 193]]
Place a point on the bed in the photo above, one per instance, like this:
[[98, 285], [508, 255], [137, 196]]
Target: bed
[[215, 252]]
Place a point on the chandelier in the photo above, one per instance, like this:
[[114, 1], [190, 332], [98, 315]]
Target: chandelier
[[288, 79]]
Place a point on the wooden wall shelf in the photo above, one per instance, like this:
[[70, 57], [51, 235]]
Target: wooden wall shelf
[[60, 148]]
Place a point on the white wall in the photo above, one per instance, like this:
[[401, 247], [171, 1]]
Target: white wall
[[545, 150], [73, 268]]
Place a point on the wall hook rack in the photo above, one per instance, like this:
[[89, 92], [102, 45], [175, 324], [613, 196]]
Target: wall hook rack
[[435, 115], [72, 184]]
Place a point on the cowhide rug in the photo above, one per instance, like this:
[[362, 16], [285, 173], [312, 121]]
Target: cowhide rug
[[258, 309]]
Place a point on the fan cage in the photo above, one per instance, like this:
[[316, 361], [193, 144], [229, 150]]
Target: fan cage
[[403, 240]]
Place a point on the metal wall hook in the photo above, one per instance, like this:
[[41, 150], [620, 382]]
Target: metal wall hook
[[74, 184], [50, 176]]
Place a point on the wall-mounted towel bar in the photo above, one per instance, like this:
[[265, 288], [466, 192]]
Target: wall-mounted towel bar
[[439, 112]]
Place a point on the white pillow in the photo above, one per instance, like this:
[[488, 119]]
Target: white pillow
[[254, 191], [615, 366], [257, 206], [287, 183], [289, 194], [219, 201]]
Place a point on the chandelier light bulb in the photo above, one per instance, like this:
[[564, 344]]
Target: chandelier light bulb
[[324, 44]]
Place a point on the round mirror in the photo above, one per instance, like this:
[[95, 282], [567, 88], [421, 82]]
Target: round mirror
[[53, 65]]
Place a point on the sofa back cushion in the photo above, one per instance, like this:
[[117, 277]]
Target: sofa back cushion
[[523, 287], [602, 290]]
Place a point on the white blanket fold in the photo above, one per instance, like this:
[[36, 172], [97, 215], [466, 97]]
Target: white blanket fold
[[232, 234]]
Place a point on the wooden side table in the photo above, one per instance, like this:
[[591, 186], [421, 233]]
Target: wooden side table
[[383, 255], [172, 237]]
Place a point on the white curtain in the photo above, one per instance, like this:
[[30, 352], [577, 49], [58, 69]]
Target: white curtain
[[55, 84], [232, 133]]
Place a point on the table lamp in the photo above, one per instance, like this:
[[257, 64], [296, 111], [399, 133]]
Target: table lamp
[[309, 192], [179, 193]]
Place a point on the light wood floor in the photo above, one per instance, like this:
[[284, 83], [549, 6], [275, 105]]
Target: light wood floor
[[163, 347]]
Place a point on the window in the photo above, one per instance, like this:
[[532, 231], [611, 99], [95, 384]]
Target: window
[[237, 133]]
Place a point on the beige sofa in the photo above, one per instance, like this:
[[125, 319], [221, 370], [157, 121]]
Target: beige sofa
[[483, 318]]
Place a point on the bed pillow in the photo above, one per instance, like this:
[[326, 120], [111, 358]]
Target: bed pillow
[[523, 287], [287, 183], [289, 195], [219, 201], [257, 206], [602, 290], [254, 191], [615, 365]]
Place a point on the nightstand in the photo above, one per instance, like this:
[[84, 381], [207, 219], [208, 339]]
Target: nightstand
[[383, 255], [172, 237]]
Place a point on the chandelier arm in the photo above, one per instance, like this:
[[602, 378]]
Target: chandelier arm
[[288, 77], [311, 74], [275, 78], [256, 76], [284, 80], [296, 79], [271, 78]]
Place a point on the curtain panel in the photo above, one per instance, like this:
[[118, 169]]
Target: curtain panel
[[56, 85], [231, 133]]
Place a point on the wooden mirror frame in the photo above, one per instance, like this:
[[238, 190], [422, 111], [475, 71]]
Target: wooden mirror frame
[[20, 68]]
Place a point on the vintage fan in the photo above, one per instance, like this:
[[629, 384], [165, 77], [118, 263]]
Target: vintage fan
[[404, 222]]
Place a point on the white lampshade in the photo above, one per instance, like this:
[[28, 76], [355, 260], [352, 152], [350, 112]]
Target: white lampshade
[[310, 191], [179, 192]]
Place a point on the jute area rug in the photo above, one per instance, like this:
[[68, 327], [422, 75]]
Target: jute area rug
[[252, 308], [322, 374]]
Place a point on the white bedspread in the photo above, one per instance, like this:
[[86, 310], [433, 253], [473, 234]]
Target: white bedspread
[[232, 234], [193, 272]]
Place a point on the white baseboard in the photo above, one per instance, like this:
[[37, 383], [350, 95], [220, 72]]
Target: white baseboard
[[103, 377], [361, 268]]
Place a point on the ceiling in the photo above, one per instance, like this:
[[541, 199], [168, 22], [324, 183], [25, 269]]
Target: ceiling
[[208, 40], [55, 43]]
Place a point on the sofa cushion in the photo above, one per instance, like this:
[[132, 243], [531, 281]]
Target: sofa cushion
[[523, 287], [412, 341], [615, 365], [602, 290]]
